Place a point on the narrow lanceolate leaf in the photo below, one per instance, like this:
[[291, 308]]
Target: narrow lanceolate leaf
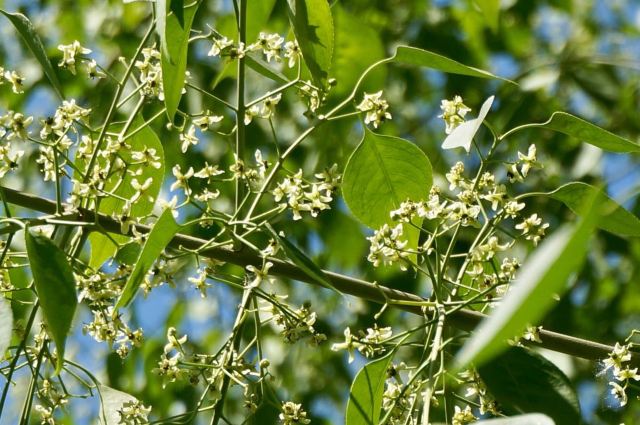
[[173, 55], [6, 325], [313, 27], [414, 56], [530, 419], [381, 173], [301, 260], [544, 274], [161, 234], [614, 219], [111, 403], [462, 136], [365, 397], [55, 286], [589, 133], [28, 32], [525, 382]]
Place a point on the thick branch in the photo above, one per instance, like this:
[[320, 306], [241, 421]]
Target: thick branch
[[463, 319]]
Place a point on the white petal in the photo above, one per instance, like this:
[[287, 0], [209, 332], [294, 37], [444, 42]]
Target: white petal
[[463, 135]]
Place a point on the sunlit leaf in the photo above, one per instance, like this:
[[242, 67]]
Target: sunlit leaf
[[173, 55], [128, 253], [573, 126], [112, 402], [55, 286], [544, 274], [6, 325], [614, 219], [28, 32], [462, 136], [313, 27], [381, 173], [414, 56], [161, 234], [524, 381], [365, 397]]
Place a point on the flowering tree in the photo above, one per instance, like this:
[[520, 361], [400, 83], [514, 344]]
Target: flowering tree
[[234, 195]]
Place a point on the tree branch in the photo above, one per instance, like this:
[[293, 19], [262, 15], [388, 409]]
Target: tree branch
[[463, 319]]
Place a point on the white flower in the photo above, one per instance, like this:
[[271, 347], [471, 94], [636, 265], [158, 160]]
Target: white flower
[[375, 107], [453, 112], [219, 45], [188, 139], [292, 51], [462, 135], [69, 53]]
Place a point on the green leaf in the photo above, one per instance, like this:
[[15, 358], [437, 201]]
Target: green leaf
[[175, 44], [383, 172], [301, 260], [103, 247], [614, 219], [159, 237], [414, 56], [256, 63], [6, 325], [589, 133], [524, 381], [313, 27], [529, 419], [544, 274], [491, 11], [28, 32], [111, 402], [365, 397], [55, 286], [357, 46], [128, 253]]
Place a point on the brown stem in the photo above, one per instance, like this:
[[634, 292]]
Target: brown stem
[[462, 319]]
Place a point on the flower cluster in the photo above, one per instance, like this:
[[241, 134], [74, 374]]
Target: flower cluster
[[298, 324], [475, 388], [272, 46], [617, 362], [453, 113], [369, 343], [133, 412], [375, 107], [293, 414], [69, 53], [265, 109], [112, 329], [168, 366], [150, 73], [313, 201]]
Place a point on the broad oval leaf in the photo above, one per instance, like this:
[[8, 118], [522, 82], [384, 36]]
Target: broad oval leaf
[[111, 403], [544, 273], [174, 39], [103, 247], [524, 381], [382, 172], [28, 32], [462, 136], [6, 325], [614, 219], [55, 286], [313, 27], [414, 56], [573, 126], [365, 397], [530, 419], [159, 237], [301, 260]]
